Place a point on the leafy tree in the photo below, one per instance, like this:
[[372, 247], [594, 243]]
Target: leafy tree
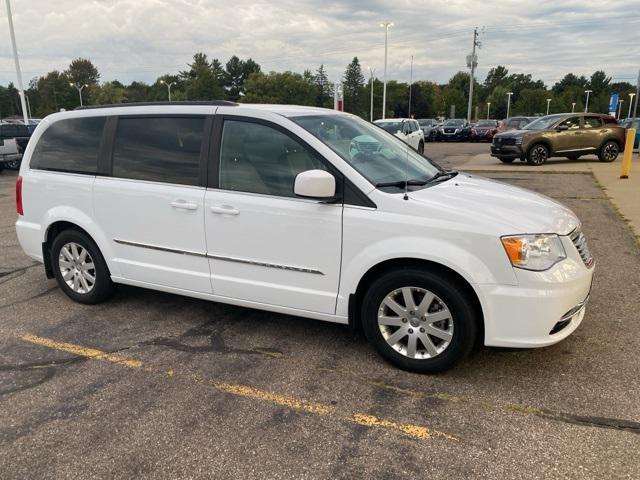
[[497, 77], [81, 71], [54, 93], [237, 71], [324, 95], [284, 88], [200, 80], [353, 88], [569, 80], [532, 101], [109, 92]]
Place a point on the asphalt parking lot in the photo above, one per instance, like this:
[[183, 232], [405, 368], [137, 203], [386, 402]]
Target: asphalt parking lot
[[152, 385]]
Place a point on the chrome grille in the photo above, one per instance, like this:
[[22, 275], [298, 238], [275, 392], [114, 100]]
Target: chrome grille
[[579, 240]]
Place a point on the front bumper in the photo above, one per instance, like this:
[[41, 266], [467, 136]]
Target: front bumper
[[507, 151], [543, 309]]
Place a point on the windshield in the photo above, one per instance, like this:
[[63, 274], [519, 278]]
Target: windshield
[[391, 127], [542, 123], [375, 154], [487, 123], [454, 122]]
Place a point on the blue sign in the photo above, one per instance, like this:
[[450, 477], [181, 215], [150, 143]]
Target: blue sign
[[613, 103]]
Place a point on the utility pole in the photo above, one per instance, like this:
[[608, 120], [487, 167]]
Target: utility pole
[[548, 103], [635, 107], [386, 26], [371, 71], [410, 85], [17, 62], [472, 63]]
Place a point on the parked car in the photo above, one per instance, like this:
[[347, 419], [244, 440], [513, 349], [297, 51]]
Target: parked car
[[429, 127], [633, 123], [406, 129], [514, 123], [302, 211], [10, 153], [484, 130], [21, 133], [455, 129], [568, 135]]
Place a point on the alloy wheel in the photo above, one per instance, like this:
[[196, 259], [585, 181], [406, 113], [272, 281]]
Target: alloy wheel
[[539, 154], [610, 151], [77, 268], [415, 323]]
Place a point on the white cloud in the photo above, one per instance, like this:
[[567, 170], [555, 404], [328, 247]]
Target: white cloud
[[140, 40]]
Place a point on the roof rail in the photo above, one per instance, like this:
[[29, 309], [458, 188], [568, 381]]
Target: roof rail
[[214, 103]]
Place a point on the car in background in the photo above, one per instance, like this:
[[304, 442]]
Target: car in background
[[455, 129], [21, 133], [484, 130], [569, 135], [10, 153], [633, 123], [406, 129], [514, 123], [429, 127]]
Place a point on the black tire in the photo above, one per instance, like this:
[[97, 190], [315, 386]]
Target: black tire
[[448, 291], [609, 151], [506, 159], [421, 148], [14, 164], [102, 287], [538, 154]]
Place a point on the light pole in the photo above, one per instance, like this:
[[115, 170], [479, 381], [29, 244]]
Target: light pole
[[586, 105], [28, 103], [169, 85], [509, 102], [488, 107], [79, 88], [620, 102], [371, 71], [548, 103], [386, 26], [631, 95], [17, 62], [410, 85], [573, 107]]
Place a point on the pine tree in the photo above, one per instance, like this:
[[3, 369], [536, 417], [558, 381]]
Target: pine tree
[[323, 87], [353, 88]]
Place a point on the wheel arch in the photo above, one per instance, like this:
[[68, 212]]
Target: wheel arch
[[542, 141], [355, 299]]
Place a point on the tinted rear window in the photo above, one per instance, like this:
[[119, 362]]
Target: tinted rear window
[[159, 149], [70, 145]]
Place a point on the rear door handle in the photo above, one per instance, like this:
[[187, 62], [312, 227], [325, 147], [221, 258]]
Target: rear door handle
[[184, 205], [224, 210]]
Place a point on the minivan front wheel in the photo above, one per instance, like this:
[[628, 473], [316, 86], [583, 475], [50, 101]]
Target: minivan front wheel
[[419, 321], [79, 268]]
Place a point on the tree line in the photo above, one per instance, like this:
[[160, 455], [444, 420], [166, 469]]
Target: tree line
[[244, 81]]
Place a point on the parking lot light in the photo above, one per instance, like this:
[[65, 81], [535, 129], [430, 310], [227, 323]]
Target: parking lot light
[[620, 102], [509, 102], [631, 95], [548, 103], [169, 85], [17, 62], [586, 105], [386, 26], [573, 107], [79, 88], [488, 107], [371, 72]]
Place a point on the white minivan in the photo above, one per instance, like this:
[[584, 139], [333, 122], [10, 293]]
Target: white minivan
[[302, 211], [406, 129]]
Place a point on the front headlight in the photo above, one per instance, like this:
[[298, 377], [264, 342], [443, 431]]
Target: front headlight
[[534, 252]]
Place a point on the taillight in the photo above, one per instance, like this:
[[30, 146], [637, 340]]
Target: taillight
[[19, 209]]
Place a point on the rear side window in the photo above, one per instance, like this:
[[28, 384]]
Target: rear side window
[[592, 122], [159, 149], [70, 145]]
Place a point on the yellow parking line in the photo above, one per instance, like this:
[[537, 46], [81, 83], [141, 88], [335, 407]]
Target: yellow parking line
[[414, 431]]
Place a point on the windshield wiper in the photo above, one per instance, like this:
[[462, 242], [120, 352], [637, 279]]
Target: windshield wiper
[[402, 183], [443, 175]]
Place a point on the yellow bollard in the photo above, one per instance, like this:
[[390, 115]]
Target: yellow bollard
[[628, 153]]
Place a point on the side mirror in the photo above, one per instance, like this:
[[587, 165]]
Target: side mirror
[[315, 184], [562, 128]]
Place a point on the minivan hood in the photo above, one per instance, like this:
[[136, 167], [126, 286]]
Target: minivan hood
[[490, 204]]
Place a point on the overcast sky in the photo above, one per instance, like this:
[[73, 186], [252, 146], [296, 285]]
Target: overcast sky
[[142, 39]]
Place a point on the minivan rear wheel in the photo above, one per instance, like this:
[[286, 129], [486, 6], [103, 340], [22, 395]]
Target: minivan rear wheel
[[79, 268], [419, 321]]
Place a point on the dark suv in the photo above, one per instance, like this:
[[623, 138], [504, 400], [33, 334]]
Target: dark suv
[[569, 135], [456, 129], [21, 133]]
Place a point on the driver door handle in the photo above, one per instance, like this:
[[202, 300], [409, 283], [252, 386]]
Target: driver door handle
[[224, 210], [184, 205]]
